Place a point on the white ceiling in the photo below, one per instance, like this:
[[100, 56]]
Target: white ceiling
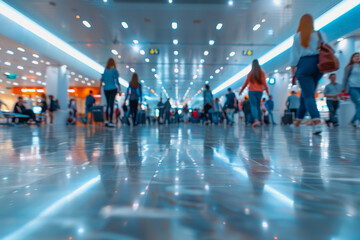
[[150, 24]]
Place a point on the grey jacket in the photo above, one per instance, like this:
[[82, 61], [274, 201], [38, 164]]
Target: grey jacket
[[347, 74]]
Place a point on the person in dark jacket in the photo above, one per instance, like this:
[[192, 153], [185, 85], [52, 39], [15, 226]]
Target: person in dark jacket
[[247, 111], [89, 103]]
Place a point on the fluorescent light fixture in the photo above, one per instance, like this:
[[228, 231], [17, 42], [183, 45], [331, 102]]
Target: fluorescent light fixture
[[276, 71], [135, 41], [256, 27], [340, 39], [125, 25], [270, 32], [195, 76], [174, 25], [28, 24], [153, 70], [47, 63], [331, 15], [21, 49], [191, 83], [176, 70], [288, 68], [86, 24], [206, 82], [219, 26], [175, 41], [206, 53], [147, 60], [142, 52], [232, 54], [8, 51], [31, 71], [211, 42], [24, 78], [36, 56], [176, 53], [38, 74], [114, 52]]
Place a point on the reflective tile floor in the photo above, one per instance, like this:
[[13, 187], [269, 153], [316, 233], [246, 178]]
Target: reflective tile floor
[[179, 182]]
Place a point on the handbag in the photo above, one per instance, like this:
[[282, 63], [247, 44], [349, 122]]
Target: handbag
[[328, 62]]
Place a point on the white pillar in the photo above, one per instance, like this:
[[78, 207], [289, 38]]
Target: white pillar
[[57, 84]]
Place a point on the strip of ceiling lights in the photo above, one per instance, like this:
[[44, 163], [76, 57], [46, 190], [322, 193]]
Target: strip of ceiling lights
[[44, 34], [328, 17]]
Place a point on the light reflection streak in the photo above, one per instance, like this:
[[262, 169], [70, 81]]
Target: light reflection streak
[[32, 225]]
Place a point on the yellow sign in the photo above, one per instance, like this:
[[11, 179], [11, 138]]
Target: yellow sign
[[248, 52], [154, 51]]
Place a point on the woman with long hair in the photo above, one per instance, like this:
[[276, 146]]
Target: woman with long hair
[[304, 66], [111, 85], [134, 93], [351, 84], [256, 81]]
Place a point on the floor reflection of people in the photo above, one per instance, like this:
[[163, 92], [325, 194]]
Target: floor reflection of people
[[316, 210]]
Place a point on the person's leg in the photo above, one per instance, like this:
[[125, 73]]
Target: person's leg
[[336, 107], [51, 115], [253, 105], [111, 104], [271, 116], [258, 105], [355, 97], [107, 109], [308, 87], [330, 105]]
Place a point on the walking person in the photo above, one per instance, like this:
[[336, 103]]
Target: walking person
[[269, 104], [293, 104], [247, 111], [230, 106], [111, 85], [53, 108], [167, 109], [134, 93], [256, 81], [160, 107], [351, 84], [332, 93], [304, 66], [208, 103], [89, 103]]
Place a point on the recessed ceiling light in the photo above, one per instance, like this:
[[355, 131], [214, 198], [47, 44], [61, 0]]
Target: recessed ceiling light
[[136, 48], [20, 67], [270, 32], [114, 52], [176, 60], [31, 71], [21, 49], [288, 68], [195, 76], [232, 54], [277, 2], [174, 25], [7, 63], [86, 24], [119, 56], [176, 53], [135, 41], [38, 74], [206, 82], [24, 78], [175, 41], [125, 25], [147, 60], [142, 52], [217, 71], [191, 83], [153, 70], [263, 20], [176, 70], [231, 3], [206, 53], [170, 1], [142, 81], [47, 63], [72, 73], [35, 56], [256, 27], [127, 66], [77, 17], [10, 52], [221, 68], [132, 70], [211, 77], [105, 1], [276, 71], [202, 60], [35, 62], [155, 75], [76, 79], [227, 58], [211, 42], [340, 39], [80, 76], [219, 26], [24, 58]]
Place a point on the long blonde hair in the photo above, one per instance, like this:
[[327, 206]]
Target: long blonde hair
[[306, 28]]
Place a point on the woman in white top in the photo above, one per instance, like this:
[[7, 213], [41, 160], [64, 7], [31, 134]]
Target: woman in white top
[[351, 84], [304, 65]]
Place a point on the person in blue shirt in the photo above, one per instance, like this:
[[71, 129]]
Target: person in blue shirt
[[333, 92], [208, 103], [230, 105], [89, 103], [269, 104], [134, 93], [111, 85]]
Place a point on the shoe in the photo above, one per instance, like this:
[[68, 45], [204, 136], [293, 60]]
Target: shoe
[[335, 125], [297, 123], [256, 124], [317, 129], [327, 123], [110, 125]]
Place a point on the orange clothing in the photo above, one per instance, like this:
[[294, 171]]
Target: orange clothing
[[254, 86]]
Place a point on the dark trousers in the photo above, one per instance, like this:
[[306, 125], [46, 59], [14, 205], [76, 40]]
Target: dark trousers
[[207, 107], [133, 109], [333, 107], [30, 113], [110, 100], [308, 75]]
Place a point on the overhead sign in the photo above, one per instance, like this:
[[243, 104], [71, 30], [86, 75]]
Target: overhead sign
[[154, 51], [271, 81], [248, 52]]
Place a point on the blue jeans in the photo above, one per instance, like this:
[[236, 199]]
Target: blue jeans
[[308, 75], [255, 101], [271, 116], [355, 97], [230, 115], [333, 106]]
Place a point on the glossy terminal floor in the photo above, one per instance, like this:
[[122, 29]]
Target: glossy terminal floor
[[179, 182]]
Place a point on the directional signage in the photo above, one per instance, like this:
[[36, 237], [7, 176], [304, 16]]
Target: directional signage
[[248, 52], [154, 51]]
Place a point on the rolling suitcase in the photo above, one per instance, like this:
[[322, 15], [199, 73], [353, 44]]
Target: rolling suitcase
[[287, 118], [98, 113]]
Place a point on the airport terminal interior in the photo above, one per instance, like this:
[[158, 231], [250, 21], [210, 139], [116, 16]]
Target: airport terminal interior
[[180, 119]]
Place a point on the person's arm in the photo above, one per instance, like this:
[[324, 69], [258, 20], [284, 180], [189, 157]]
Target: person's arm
[[263, 79], [127, 94], [346, 78], [294, 57], [117, 83], [245, 84]]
